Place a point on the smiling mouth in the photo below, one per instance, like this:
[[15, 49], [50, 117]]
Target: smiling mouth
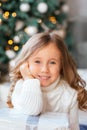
[[44, 77]]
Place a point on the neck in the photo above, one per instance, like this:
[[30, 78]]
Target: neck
[[51, 87]]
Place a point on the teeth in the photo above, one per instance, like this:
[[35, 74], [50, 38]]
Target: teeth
[[44, 77]]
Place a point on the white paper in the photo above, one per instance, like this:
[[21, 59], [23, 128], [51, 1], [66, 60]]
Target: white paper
[[10, 119], [53, 121]]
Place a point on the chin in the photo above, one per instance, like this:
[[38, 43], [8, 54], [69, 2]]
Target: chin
[[45, 85]]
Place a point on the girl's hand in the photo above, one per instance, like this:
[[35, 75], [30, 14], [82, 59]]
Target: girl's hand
[[25, 72]]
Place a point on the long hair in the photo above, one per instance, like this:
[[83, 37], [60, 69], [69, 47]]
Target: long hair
[[68, 69]]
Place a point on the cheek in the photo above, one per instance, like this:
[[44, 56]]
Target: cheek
[[56, 72], [33, 68]]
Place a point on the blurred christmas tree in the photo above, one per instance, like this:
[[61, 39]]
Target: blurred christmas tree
[[20, 19]]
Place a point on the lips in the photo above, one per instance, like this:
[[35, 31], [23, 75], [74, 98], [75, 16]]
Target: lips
[[44, 77]]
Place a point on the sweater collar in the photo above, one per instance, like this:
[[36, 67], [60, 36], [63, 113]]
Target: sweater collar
[[51, 87]]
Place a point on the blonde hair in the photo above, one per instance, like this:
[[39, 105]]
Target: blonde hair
[[68, 71]]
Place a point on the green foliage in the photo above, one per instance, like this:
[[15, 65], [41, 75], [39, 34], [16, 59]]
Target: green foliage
[[3, 56], [17, 21]]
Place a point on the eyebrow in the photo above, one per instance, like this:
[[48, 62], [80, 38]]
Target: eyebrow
[[56, 59]]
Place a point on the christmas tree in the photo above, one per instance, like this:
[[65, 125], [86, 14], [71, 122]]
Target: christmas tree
[[20, 19]]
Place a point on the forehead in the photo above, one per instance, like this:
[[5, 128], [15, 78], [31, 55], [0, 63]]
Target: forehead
[[50, 50]]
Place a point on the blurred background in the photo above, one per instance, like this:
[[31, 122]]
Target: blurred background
[[78, 12], [20, 19]]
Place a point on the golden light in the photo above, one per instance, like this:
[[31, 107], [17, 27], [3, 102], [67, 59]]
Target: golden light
[[52, 19], [6, 15], [16, 48], [10, 42], [14, 14]]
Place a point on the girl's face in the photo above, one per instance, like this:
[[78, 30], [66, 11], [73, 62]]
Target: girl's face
[[45, 64]]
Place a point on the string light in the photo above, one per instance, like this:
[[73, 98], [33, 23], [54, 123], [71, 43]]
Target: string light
[[16, 48], [52, 19], [6, 15], [10, 42], [14, 14]]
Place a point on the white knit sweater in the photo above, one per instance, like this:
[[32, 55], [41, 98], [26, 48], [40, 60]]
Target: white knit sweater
[[31, 99]]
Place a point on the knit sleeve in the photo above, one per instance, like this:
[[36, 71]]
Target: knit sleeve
[[27, 97]]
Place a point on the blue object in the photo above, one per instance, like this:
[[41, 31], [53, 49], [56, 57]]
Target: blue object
[[83, 127]]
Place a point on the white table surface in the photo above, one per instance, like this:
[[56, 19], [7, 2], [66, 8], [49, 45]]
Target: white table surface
[[10, 119]]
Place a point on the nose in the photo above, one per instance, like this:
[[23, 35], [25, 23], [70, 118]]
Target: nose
[[44, 68]]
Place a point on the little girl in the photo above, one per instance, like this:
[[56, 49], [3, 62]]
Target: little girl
[[45, 79]]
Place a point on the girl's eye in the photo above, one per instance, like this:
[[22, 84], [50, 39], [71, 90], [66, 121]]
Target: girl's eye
[[52, 62], [37, 61]]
